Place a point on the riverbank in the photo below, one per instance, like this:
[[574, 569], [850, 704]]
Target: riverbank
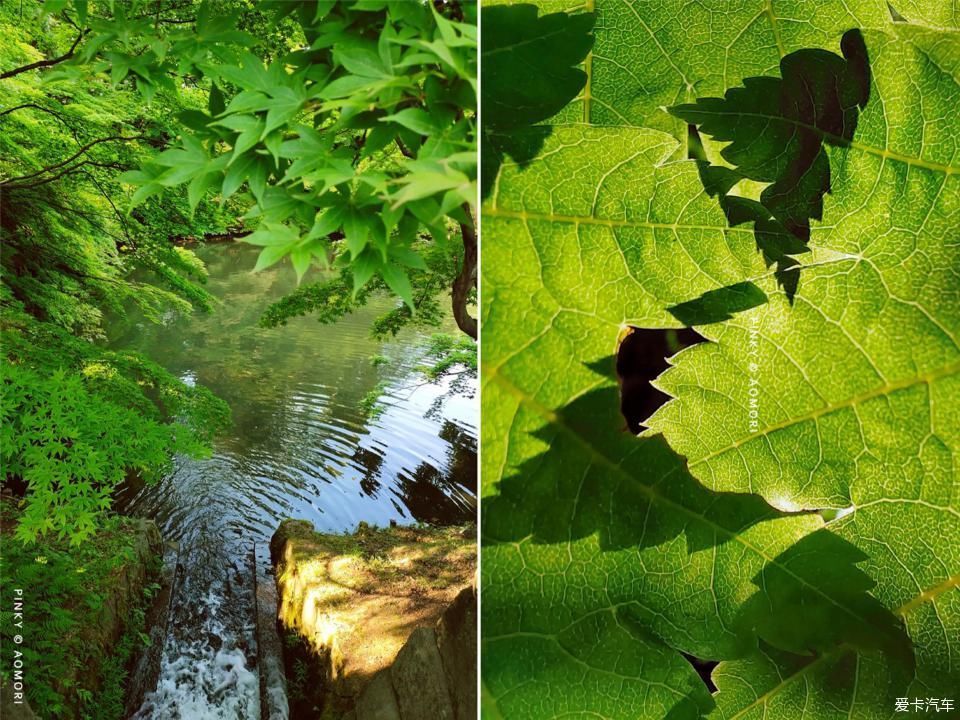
[[351, 605], [81, 617]]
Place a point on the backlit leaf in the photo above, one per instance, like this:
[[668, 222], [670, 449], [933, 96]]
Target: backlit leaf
[[814, 554]]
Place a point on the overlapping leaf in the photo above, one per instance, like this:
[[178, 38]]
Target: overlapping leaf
[[581, 520], [596, 567], [649, 56]]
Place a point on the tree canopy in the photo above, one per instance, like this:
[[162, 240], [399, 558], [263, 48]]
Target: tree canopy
[[335, 134]]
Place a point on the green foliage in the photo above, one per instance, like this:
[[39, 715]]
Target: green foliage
[[72, 445], [333, 298], [607, 557], [79, 417], [344, 133], [550, 45], [65, 586], [344, 147], [109, 702], [446, 352]]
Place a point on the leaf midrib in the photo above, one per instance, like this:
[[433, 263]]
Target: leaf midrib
[[841, 141], [522, 43], [590, 220], [552, 417], [880, 391]]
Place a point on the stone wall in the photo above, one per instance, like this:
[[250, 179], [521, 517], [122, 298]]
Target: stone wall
[[435, 673], [385, 621]]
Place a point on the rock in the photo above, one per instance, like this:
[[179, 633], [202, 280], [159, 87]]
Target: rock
[[273, 686], [353, 600], [419, 680], [377, 701], [457, 642], [146, 667]]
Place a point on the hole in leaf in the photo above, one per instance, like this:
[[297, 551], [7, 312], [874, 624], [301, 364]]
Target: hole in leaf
[[641, 357], [704, 669]]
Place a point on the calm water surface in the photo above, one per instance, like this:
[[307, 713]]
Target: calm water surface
[[300, 446]]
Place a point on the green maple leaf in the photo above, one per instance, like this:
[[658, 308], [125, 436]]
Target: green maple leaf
[[603, 559]]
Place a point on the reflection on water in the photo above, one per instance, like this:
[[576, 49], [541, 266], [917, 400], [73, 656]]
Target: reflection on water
[[300, 446]]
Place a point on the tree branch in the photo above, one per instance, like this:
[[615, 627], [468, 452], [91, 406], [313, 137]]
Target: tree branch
[[29, 105], [46, 63], [13, 181], [405, 150], [66, 171], [59, 117], [116, 211], [467, 279]]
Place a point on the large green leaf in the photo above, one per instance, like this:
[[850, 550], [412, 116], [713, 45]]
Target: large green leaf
[[603, 558], [580, 518], [856, 382], [651, 55]]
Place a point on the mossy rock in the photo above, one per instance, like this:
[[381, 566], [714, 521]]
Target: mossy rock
[[354, 599]]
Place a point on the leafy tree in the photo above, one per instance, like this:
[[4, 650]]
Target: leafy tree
[[76, 416], [341, 134], [792, 510], [349, 144]]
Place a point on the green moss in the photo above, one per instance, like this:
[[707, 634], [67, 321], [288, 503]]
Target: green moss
[[370, 542]]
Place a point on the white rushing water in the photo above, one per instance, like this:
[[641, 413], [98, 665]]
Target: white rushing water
[[208, 667]]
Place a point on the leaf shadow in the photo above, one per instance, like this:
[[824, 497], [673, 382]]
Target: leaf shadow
[[529, 65], [777, 130], [637, 493], [818, 586]]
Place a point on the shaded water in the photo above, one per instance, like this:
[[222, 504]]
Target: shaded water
[[300, 446]]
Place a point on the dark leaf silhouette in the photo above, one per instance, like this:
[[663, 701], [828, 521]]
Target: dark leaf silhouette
[[817, 584], [776, 129], [530, 73], [719, 305]]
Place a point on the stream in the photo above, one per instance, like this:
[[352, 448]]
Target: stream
[[300, 446]]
